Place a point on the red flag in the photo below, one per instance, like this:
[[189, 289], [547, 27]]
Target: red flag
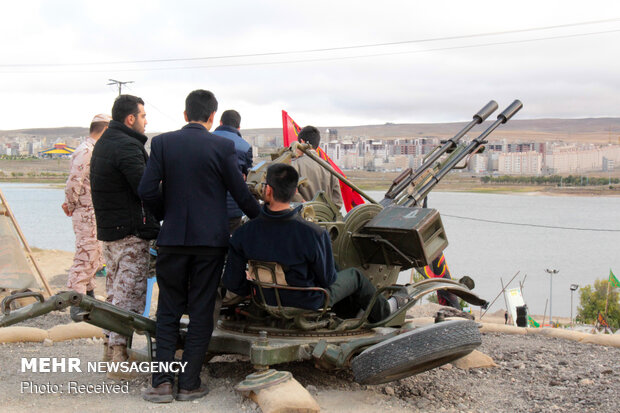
[[350, 198], [290, 129], [439, 269]]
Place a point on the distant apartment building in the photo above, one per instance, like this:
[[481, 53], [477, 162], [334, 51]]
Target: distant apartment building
[[332, 134], [574, 159], [373, 154], [413, 147], [479, 163], [608, 164], [392, 163], [520, 163], [10, 149], [34, 147]]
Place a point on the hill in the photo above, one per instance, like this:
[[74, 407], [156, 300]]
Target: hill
[[63, 131], [592, 130]]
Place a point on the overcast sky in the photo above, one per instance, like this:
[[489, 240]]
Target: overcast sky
[[57, 56]]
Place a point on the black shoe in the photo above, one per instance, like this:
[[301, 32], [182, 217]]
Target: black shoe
[[159, 394], [90, 293], [189, 395]]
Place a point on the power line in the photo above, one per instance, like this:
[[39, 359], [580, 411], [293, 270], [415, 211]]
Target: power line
[[326, 58], [327, 49], [151, 105], [531, 225]]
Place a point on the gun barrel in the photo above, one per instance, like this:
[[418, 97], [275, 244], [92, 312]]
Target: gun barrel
[[100, 313], [54, 303], [486, 111], [510, 111], [400, 184], [472, 147]]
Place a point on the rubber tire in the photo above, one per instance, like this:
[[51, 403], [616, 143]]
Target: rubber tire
[[416, 351]]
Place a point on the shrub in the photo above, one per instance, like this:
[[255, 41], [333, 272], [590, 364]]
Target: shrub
[[592, 301]]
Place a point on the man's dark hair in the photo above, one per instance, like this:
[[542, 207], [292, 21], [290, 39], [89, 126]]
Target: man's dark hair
[[199, 105], [282, 178], [310, 135], [98, 127], [125, 105], [231, 118]]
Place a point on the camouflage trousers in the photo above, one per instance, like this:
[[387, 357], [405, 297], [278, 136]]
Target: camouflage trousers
[[127, 263], [88, 258]]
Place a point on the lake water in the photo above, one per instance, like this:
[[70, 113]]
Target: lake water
[[489, 251], [486, 251]]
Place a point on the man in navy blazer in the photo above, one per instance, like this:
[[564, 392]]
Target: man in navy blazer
[[185, 184]]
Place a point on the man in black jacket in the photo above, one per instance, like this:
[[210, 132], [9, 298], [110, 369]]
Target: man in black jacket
[[123, 223], [185, 183]]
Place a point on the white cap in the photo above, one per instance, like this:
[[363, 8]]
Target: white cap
[[101, 118]]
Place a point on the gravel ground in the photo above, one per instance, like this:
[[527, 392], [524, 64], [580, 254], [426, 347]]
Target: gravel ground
[[534, 374]]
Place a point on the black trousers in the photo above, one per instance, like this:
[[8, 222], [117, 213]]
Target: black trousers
[[352, 292], [187, 285]]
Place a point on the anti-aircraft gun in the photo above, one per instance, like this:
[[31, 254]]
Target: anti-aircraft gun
[[387, 237], [379, 238]]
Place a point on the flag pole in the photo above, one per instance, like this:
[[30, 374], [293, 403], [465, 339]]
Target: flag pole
[[607, 296]]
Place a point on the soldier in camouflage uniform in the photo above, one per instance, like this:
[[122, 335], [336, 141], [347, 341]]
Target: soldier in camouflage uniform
[[79, 206]]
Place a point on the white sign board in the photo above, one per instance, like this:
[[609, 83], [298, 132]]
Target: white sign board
[[515, 299]]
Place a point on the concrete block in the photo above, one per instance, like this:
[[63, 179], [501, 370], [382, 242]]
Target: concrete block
[[474, 360], [501, 328], [286, 397], [74, 330], [17, 334]]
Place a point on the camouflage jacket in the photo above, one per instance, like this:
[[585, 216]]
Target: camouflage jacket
[[77, 190], [318, 179]]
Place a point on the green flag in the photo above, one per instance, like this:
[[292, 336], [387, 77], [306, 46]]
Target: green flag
[[532, 322], [613, 280]]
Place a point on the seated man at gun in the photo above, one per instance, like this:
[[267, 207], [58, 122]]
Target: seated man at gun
[[279, 234]]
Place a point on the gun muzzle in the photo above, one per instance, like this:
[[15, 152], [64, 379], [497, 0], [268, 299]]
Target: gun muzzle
[[510, 111], [486, 111]]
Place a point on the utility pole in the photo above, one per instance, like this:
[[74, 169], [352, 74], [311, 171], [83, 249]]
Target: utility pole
[[551, 273], [119, 84]]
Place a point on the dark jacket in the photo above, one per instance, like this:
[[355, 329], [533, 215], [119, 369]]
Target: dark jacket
[[195, 169], [244, 158], [116, 166], [302, 248]]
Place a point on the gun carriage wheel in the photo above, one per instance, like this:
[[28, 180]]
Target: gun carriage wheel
[[416, 351]]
